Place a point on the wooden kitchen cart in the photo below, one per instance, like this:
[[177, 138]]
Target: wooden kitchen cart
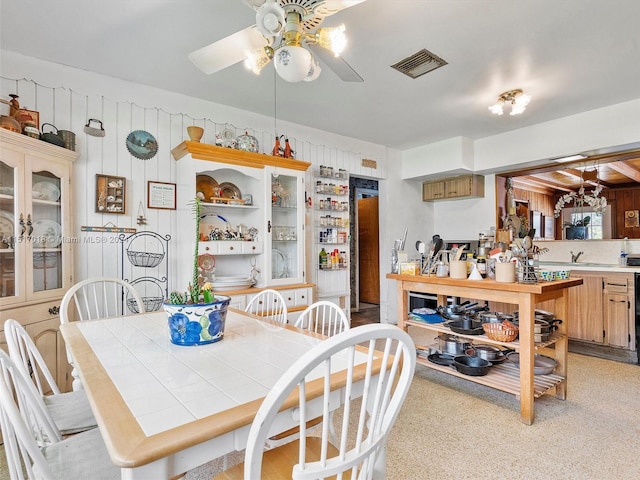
[[525, 296]]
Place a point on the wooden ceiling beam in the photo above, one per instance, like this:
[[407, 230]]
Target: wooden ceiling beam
[[625, 169], [542, 182]]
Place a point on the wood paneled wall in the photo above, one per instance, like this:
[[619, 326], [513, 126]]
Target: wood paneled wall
[[622, 200]]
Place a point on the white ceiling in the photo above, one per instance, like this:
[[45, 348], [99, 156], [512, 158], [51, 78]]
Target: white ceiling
[[571, 56]]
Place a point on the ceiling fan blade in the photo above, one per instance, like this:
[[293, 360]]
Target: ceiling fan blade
[[329, 7], [228, 51], [338, 64], [255, 4]]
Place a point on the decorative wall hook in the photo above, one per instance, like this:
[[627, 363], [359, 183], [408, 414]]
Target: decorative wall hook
[[141, 220]]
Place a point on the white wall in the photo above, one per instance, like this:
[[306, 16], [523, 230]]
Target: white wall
[[68, 97], [405, 209], [453, 156], [605, 127], [464, 219]]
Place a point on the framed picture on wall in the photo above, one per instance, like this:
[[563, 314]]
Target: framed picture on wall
[[110, 194], [522, 212], [536, 223], [161, 195], [549, 227]]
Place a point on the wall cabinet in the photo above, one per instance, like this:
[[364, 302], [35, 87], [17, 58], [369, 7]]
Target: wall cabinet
[[253, 224], [36, 265], [464, 186]]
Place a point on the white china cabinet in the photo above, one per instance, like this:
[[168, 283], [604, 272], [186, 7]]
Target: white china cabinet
[[35, 240], [252, 223]]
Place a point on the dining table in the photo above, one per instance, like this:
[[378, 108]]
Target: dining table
[[163, 409]]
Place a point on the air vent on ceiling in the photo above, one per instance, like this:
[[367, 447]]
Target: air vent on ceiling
[[419, 63]]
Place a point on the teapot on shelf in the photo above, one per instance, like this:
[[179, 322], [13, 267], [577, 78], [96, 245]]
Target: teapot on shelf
[[51, 137]]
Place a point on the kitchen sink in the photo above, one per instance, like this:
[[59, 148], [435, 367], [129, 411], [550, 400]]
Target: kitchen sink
[[577, 264]]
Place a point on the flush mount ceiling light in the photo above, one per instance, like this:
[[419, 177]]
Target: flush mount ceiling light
[[285, 32], [515, 98]]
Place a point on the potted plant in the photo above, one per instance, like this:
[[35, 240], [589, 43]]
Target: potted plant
[[196, 316], [578, 229]]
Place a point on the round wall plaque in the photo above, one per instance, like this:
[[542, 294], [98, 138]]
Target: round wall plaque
[[142, 144]]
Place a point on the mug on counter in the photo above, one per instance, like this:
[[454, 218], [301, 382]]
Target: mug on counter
[[458, 269], [505, 272]]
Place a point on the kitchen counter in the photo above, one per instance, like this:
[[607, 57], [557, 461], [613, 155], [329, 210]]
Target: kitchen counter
[[598, 267]]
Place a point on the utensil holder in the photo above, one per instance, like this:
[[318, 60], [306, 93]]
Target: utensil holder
[[505, 272]]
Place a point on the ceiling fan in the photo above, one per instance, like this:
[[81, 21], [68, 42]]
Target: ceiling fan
[[286, 31]]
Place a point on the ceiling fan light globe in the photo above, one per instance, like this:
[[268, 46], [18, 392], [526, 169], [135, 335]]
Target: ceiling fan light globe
[[292, 63], [333, 39], [256, 60]]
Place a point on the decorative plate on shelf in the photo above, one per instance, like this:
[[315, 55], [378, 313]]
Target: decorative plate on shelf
[[6, 228], [278, 264], [229, 190], [228, 138], [207, 185], [46, 234], [46, 191], [212, 221], [142, 144], [6, 190]]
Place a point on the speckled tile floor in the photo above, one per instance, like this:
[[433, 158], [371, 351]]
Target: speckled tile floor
[[450, 428]]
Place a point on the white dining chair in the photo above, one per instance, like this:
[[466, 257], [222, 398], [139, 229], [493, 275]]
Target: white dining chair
[[365, 423], [328, 319], [99, 297], [70, 411], [34, 450], [323, 317], [95, 298], [268, 304]]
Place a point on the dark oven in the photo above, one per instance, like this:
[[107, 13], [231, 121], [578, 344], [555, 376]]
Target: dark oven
[[426, 300]]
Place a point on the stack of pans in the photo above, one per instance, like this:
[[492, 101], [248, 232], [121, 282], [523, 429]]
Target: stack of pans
[[545, 324]]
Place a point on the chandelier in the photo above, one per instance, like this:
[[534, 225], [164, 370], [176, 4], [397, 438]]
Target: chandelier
[[292, 60], [514, 98]]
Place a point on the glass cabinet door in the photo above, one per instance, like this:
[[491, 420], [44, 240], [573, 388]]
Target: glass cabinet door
[[287, 237], [8, 207], [44, 227]]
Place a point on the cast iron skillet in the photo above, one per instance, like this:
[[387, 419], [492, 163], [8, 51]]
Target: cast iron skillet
[[473, 366], [466, 326]]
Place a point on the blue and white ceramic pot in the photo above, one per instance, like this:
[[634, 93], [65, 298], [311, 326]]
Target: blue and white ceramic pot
[[199, 323]]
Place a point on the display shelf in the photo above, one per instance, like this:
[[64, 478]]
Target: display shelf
[[518, 380], [228, 206], [331, 219], [274, 221], [504, 377], [442, 328]]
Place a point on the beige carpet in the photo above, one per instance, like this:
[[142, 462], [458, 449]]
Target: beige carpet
[[450, 428]]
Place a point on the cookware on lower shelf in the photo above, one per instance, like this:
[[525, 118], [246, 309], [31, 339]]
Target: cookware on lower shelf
[[473, 366], [466, 326], [542, 365], [451, 345]]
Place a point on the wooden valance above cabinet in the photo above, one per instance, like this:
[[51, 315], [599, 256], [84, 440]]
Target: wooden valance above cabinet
[[453, 188]]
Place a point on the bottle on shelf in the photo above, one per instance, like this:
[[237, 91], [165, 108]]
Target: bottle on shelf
[[624, 251], [323, 259], [481, 261]]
